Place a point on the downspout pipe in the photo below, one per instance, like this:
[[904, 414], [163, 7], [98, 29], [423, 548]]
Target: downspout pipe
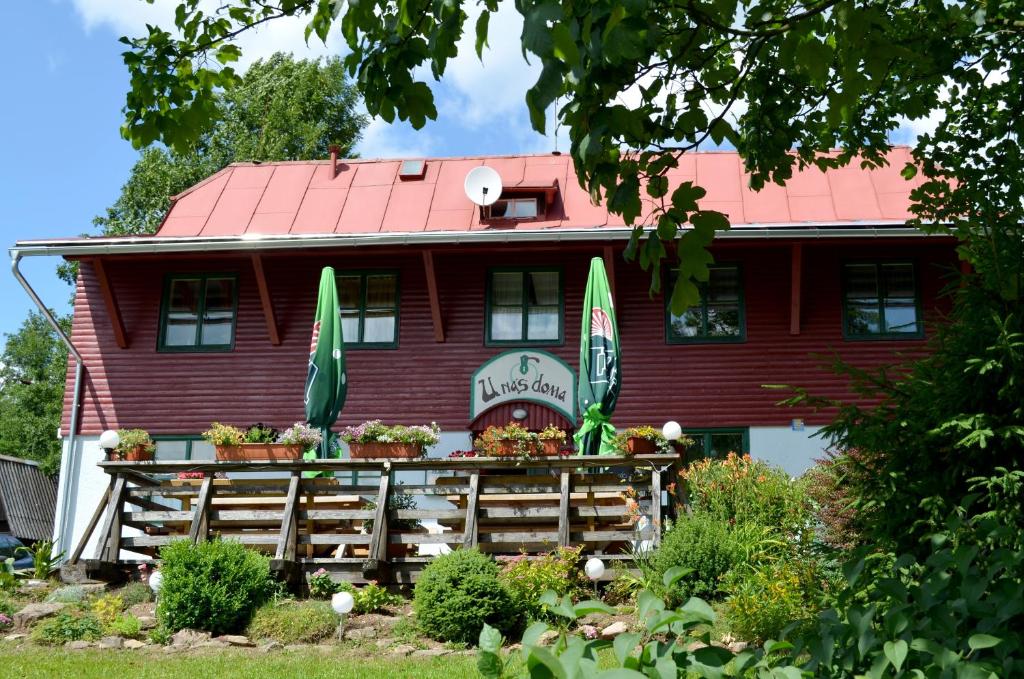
[[66, 530]]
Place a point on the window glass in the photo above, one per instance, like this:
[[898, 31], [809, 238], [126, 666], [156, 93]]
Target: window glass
[[219, 312], [880, 299], [171, 450], [199, 313], [369, 308], [182, 313], [719, 316], [530, 296], [716, 443]]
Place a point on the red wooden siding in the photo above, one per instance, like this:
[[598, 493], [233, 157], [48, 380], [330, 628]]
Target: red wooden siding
[[709, 385]]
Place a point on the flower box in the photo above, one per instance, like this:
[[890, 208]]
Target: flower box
[[510, 448], [262, 452], [641, 446], [549, 447], [140, 453], [405, 451]]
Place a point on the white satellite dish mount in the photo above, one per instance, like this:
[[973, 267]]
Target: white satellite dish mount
[[483, 185]]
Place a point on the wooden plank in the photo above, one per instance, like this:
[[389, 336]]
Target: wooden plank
[[656, 513], [447, 514], [201, 519], [379, 541], [146, 503], [425, 538], [246, 515], [110, 302], [101, 506], [612, 535], [434, 297], [470, 535], [265, 300], [518, 537], [336, 514], [133, 541], [286, 543], [108, 547], [795, 278], [334, 539], [563, 511], [157, 517], [406, 489]]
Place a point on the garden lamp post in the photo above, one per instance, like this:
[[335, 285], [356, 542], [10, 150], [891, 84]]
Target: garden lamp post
[[342, 603], [109, 440], [594, 568]]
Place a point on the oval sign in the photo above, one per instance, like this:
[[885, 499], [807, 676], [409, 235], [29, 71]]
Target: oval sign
[[524, 375]]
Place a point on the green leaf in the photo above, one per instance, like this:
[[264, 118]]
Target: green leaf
[[624, 645], [481, 32], [490, 639], [980, 641], [592, 606], [896, 652], [564, 46], [621, 673], [538, 656], [533, 632], [489, 665], [698, 608], [674, 575]]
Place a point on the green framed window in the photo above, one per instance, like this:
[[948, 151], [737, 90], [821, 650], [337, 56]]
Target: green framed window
[[525, 306], [881, 301], [717, 443], [182, 447], [369, 308], [199, 312], [720, 316]]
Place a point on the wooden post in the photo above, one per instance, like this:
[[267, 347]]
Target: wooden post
[[109, 546], [432, 294], [379, 540], [563, 509], [470, 536], [96, 515], [199, 529], [656, 514], [287, 543], [268, 305], [795, 276], [110, 301]]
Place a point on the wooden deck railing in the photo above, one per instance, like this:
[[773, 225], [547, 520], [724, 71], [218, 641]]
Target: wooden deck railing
[[359, 529]]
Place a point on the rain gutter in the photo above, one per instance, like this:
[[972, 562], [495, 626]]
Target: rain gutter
[[259, 242], [62, 543]]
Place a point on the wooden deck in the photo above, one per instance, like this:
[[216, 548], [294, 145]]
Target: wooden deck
[[502, 506]]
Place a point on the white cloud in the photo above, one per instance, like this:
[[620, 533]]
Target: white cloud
[[398, 140]]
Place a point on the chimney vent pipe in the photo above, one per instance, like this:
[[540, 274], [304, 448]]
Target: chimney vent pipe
[[334, 149]]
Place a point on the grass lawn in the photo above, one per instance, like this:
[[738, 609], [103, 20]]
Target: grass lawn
[[33, 661]]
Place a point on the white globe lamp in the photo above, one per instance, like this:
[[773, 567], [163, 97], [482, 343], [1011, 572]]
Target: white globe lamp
[[156, 581], [672, 431], [109, 440], [594, 568], [342, 603]]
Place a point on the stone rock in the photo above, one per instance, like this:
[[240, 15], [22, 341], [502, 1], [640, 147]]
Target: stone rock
[[132, 644], [111, 642], [737, 646], [515, 647], [613, 630], [189, 637], [431, 652], [212, 643], [695, 646], [403, 649], [384, 643], [77, 645], [547, 638], [360, 633], [235, 640], [146, 622], [34, 612], [270, 647], [15, 637], [374, 620], [32, 583]]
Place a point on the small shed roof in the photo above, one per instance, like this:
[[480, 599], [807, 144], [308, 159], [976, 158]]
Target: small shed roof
[[28, 498]]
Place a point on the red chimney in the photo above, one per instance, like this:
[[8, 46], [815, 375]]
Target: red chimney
[[334, 149]]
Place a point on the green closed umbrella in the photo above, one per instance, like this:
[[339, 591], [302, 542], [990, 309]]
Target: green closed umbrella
[[326, 381], [599, 380]]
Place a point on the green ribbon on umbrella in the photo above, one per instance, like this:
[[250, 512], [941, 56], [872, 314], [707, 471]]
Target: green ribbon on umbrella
[[594, 419]]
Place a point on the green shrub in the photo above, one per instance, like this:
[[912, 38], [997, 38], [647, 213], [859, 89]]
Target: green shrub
[[7, 608], [711, 548], [213, 586], [321, 586], [743, 490], [457, 593], [135, 593], [160, 635], [369, 598], [66, 627], [72, 594], [107, 608], [127, 626], [764, 600], [292, 622], [526, 579]]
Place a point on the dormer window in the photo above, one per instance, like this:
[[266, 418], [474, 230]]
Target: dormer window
[[514, 208]]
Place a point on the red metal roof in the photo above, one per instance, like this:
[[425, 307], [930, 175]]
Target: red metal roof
[[367, 196]]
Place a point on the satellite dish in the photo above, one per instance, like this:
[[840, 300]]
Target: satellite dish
[[483, 185]]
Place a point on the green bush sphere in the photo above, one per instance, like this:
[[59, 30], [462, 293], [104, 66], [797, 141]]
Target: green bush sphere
[[459, 592], [213, 586], [293, 622]]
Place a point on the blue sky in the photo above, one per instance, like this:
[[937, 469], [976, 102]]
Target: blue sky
[[64, 160]]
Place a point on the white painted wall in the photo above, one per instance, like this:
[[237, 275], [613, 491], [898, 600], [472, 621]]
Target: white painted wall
[[794, 451]]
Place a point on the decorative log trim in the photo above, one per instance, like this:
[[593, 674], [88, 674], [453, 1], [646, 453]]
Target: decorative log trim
[[656, 513], [563, 510], [265, 300], [91, 526], [796, 275], [109, 546], [435, 299], [609, 267], [470, 534], [201, 516], [286, 543], [379, 539], [110, 301]]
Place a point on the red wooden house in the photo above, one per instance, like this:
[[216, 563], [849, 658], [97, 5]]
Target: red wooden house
[[209, 319]]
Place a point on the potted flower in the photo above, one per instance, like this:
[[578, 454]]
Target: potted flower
[[512, 440], [259, 443], [374, 439], [644, 440], [135, 446], [551, 440]]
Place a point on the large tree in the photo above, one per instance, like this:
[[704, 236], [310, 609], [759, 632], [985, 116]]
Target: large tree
[[32, 371], [784, 81]]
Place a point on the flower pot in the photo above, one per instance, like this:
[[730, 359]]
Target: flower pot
[[639, 446], [515, 448], [262, 452], [139, 453], [405, 451], [550, 447]]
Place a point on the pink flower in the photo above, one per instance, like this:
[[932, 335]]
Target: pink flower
[[589, 631]]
